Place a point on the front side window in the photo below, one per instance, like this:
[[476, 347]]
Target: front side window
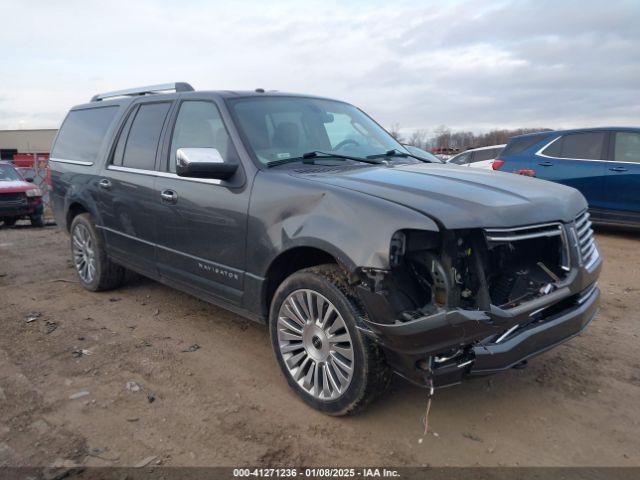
[[199, 125], [278, 128], [627, 147], [580, 146], [82, 134], [137, 145]]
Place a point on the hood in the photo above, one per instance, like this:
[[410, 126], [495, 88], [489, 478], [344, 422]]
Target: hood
[[460, 197], [12, 186]]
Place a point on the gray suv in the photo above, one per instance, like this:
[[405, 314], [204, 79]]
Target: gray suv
[[302, 213]]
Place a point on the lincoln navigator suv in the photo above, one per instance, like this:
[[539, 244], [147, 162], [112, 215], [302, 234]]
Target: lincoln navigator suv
[[302, 213]]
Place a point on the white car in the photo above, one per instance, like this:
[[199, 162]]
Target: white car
[[478, 157]]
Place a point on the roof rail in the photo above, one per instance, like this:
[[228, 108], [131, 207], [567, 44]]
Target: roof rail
[[132, 92]]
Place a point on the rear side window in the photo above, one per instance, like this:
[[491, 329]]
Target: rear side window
[[137, 145], [82, 134], [461, 159], [490, 154], [627, 147], [587, 146], [519, 145]]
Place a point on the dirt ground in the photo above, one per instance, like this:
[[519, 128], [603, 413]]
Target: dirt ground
[[226, 403]]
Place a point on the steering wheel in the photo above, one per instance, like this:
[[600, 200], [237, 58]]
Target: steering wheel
[[344, 143]]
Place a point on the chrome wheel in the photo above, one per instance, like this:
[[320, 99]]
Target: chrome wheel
[[83, 253], [315, 344]]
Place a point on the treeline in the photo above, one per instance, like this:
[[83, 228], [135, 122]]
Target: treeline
[[443, 137]]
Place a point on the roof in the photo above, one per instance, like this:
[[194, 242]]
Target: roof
[[578, 130]]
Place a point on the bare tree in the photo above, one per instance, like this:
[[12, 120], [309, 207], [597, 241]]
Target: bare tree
[[394, 130], [419, 138]]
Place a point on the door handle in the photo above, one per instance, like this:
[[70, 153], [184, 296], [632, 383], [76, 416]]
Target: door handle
[[546, 164], [618, 169], [105, 183], [169, 196]]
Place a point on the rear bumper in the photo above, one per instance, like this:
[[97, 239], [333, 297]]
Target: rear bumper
[[485, 342]]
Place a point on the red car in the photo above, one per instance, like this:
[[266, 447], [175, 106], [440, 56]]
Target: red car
[[19, 198]]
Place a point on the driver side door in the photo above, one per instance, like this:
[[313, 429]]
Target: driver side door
[[202, 223]]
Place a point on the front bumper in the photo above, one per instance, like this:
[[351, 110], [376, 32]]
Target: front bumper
[[23, 209], [485, 342]]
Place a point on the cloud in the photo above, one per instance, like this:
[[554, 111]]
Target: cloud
[[474, 64]]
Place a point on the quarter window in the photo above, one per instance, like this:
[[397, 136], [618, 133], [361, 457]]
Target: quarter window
[[199, 125], [586, 146], [627, 147], [82, 134], [138, 145]]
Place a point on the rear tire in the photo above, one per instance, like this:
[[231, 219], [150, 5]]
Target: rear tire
[[325, 358], [95, 271], [10, 221]]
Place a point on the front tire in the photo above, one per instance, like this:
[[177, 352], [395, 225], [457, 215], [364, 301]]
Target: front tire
[[326, 360], [37, 221], [95, 271]]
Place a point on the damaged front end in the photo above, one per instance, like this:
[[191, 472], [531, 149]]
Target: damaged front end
[[479, 301]]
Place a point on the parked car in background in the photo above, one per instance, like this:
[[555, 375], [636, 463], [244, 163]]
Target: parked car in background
[[419, 152], [482, 157], [603, 163], [19, 198], [302, 213]]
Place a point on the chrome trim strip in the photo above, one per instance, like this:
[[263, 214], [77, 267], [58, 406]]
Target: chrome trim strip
[[102, 227], [528, 227], [153, 173], [73, 162], [527, 236], [586, 295], [199, 259]]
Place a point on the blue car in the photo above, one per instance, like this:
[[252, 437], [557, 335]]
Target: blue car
[[603, 163]]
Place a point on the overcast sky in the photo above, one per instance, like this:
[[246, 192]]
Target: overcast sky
[[471, 65]]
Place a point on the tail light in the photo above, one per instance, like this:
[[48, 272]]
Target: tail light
[[497, 163]]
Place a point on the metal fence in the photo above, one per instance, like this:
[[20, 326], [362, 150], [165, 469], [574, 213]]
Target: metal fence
[[36, 167]]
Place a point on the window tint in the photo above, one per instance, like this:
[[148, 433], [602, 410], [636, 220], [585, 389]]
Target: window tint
[[199, 125], [489, 154], [82, 133], [519, 145], [627, 147], [578, 145], [142, 139], [461, 159]]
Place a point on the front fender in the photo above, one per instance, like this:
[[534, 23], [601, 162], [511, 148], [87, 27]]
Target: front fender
[[356, 228]]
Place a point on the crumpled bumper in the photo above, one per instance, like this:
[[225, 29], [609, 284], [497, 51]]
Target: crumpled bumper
[[486, 342]]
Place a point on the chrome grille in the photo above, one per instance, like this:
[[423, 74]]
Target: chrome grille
[[12, 199], [586, 243], [523, 233]]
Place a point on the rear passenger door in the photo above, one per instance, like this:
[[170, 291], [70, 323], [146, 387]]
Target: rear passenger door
[[202, 223], [576, 160], [622, 182], [127, 188]]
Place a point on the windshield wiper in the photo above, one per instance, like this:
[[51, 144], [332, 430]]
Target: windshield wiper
[[308, 156], [397, 153]]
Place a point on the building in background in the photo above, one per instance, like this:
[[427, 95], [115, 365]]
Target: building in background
[[16, 142]]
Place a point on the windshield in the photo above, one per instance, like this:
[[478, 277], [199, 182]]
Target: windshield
[[278, 128], [8, 173]]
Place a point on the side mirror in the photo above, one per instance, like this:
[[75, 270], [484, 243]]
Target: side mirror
[[203, 163], [28, 179]]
